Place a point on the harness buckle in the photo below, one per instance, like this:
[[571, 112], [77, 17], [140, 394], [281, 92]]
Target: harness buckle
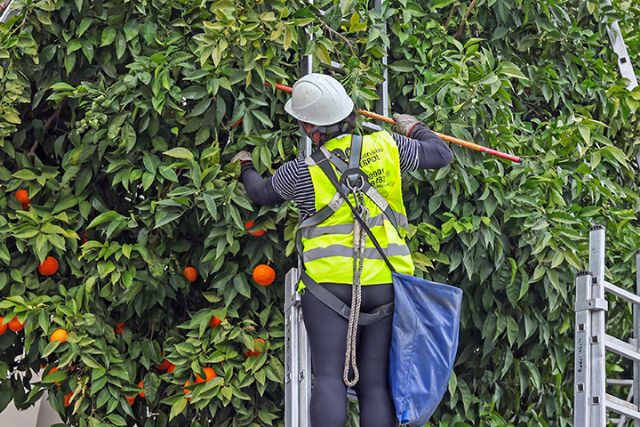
[[355, 183]]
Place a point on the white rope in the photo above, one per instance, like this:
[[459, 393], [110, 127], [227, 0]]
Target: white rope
[[356, 299]]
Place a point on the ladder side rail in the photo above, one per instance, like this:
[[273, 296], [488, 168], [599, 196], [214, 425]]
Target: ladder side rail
[[582, 362], [636, 336], [382, 106], [582, 389], [598, 372], [304, 369], [290, 356], [301, 352], [8, 11], [620, 48]]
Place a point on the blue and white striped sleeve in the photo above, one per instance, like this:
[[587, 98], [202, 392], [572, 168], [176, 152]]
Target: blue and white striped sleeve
[[408, 151], [424, 150], [285, 179]]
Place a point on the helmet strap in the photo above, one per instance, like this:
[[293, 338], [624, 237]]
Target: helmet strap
[[327, 132]]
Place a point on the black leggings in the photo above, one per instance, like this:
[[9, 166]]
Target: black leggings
[[327, 332]]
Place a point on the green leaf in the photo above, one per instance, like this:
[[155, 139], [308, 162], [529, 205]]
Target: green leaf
[[55, 377], [50, 348], [200, 107], [104, 218], [177, 408], [84, 26], [179, 153], [108, 36], [264, 119], [437, 4], [25, 175], [117, 420]]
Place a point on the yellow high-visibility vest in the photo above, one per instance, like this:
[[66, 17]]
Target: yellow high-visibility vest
[[327, 247]]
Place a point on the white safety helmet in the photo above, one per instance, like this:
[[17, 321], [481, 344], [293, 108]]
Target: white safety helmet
[[320, 100]]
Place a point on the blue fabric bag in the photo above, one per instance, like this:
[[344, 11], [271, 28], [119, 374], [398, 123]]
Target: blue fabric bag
[[424, 343]]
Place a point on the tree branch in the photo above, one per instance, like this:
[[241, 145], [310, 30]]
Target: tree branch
[[332, 31], [449, 18], [472, 6], [54, 116], [47, 125]]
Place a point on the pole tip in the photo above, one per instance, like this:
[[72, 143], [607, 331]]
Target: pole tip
[[597, 227], [583, 273]]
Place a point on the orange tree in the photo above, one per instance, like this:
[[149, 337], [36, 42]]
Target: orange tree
[[119, 120]]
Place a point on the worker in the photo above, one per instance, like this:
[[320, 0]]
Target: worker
[[326, 115]]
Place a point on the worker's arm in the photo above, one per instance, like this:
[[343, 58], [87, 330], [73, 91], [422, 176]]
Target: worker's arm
[[421, 148], [259, 189]]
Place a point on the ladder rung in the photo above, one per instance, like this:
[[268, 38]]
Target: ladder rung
[[622, 293], [615, 381], [622, 348], [622, 407], [335, 66], [371, 126]]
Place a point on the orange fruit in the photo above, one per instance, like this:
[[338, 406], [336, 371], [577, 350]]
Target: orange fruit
[[119, 329], [171, 368], [264, 275], [49, 266], [141, 385], [190, 273], [25, 206], [15, 325], [23, 196], [214, 322], [164, 365], [67, 399], [209, 374], [186, 384], [257, 343], [131, 400], [59, 335], [257, 233], [3, 326]]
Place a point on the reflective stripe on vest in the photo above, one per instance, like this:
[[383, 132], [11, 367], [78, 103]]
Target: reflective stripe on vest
[[328, 245], [376, 221], [343, 251]]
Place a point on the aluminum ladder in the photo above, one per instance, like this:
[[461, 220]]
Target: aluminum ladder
[[298, 374], [591, 400]]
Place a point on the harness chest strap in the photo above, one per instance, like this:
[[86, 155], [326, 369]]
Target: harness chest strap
[[397, 220]]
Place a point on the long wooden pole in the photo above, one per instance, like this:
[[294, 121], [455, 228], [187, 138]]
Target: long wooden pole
[[451, 139]]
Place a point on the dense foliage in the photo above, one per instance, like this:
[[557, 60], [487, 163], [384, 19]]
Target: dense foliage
[[120, 118]]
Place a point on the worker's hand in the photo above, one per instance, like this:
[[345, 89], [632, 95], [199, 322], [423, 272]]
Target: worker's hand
[[242, 156], [405, 123]]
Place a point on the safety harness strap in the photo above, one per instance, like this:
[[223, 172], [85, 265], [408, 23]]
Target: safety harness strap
[[334, 303], [367, 188], [331, 175]]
